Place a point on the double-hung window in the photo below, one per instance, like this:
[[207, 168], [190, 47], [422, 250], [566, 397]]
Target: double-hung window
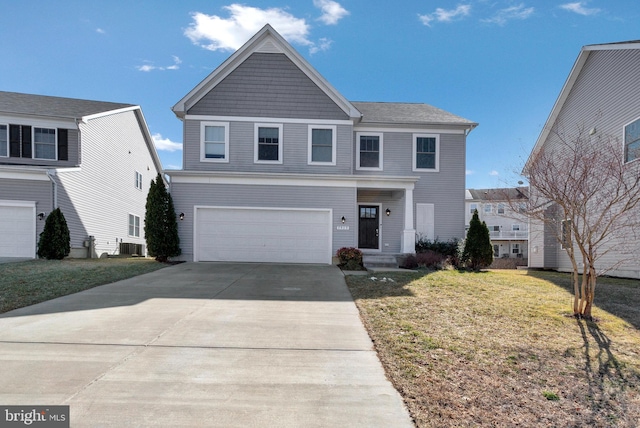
[[369, 151], [134, 225], [472, 208], [500, 208], [214, 142], [632, 141], [44, 143], [426, 155], [138, 182], [322, 145], [268, 143], [4, 141], [488, 208]]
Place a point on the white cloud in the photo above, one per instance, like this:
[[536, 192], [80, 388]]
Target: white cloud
[[580, 8], [165, 144], [214, 33], [513, 12], [332, 11], [442, 15], [323, 45], [469, 172], [494, 173], [148, 67], [100, 31]]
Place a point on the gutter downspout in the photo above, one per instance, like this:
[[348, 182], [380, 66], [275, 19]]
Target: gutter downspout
[[50, 174]]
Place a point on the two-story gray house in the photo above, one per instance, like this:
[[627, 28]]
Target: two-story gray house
[[92, 159], [278, 166]]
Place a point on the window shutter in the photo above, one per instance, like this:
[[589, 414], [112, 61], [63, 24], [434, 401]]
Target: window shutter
[[26, 141], [14, 141], [63, 144]]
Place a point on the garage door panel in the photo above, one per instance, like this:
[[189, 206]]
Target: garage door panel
[[17, 229], [263, 235]]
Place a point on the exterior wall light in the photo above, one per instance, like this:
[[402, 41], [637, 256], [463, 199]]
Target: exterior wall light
[[343, 219], [388, 212], [181, 216], [41, 216]]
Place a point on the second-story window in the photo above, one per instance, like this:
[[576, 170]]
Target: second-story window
[[488, 208], [425, 152], [632, 141], [215, 142], [369, 151], [500, 208], [44, 143], [322, 145], [472, 208], [138, 182], [4, 141], [268, 144]]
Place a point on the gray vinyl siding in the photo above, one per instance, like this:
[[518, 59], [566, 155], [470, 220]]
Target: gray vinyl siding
[[241, 150], [340, 200], [268, 85], [99, 197], [605, 97], [73, 152], [41, 192]]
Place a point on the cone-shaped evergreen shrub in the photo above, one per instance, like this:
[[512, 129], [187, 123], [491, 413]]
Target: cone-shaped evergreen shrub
[[54, 243], [478, 251], [160, 226]]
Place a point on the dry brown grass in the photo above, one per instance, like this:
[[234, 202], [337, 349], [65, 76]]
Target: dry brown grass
[[501, 348]]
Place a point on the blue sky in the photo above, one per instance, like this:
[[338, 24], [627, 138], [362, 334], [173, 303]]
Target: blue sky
[[497, 62]]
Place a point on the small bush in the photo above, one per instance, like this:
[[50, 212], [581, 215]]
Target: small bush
[[350, 258], [509, 263], [439, 254], [55, 242], [409, 261]]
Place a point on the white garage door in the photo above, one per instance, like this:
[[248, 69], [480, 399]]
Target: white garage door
[[17, 229], [262, 235]]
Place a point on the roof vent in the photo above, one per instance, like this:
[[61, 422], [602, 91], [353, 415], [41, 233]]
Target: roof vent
[[269, 47]]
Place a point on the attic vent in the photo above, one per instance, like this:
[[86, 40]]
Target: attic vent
[[268, 47]]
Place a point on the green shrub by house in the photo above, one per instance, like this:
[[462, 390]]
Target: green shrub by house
[[160, 225], [478, 251], [54, 243]]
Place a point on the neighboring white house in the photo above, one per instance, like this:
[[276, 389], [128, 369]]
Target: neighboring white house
[[92, 159], [278, 166], [501, 210], [601, 95]]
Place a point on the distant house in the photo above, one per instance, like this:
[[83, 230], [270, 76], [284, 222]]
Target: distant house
[[278, 166], [94, 160], [503, 212], [601, 95]]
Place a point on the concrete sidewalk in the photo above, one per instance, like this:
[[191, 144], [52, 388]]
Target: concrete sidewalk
[[202, 344]]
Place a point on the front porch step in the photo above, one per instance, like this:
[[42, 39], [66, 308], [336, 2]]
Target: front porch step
[[379, 261]]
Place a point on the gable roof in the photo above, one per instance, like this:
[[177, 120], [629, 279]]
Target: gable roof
[[408, 113], [58, 107], [267, 40], [568, 86]]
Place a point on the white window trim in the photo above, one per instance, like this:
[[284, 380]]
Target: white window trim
[[472, 209], [488, 208], [515, 227], [624, 142], [256, 126], [380, 148], [139, 178], [203, 158], [499, 208], [334, 131], [415, 154], [33, 143], [7, 142], [134, 225]]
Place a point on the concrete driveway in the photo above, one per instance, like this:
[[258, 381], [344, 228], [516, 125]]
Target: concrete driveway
[[202, 344]]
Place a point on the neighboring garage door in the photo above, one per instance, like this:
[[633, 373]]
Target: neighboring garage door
[[17, 229], [262, 235]]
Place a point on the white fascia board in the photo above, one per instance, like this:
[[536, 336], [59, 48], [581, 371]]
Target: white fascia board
[[39, 121], [613, 46], [17, 173], [266, 120], [12, 203], [108, 113], [557, 107], [298, 180]]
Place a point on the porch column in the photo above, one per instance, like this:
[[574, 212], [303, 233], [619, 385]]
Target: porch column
[[408, 241]]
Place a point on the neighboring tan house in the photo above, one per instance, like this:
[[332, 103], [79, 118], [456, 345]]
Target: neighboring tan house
[[278, 166], [502, 211], [602, 95], [94, 160]]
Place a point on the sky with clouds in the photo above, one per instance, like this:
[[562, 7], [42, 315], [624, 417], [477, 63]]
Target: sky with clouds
[[500, 63]]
